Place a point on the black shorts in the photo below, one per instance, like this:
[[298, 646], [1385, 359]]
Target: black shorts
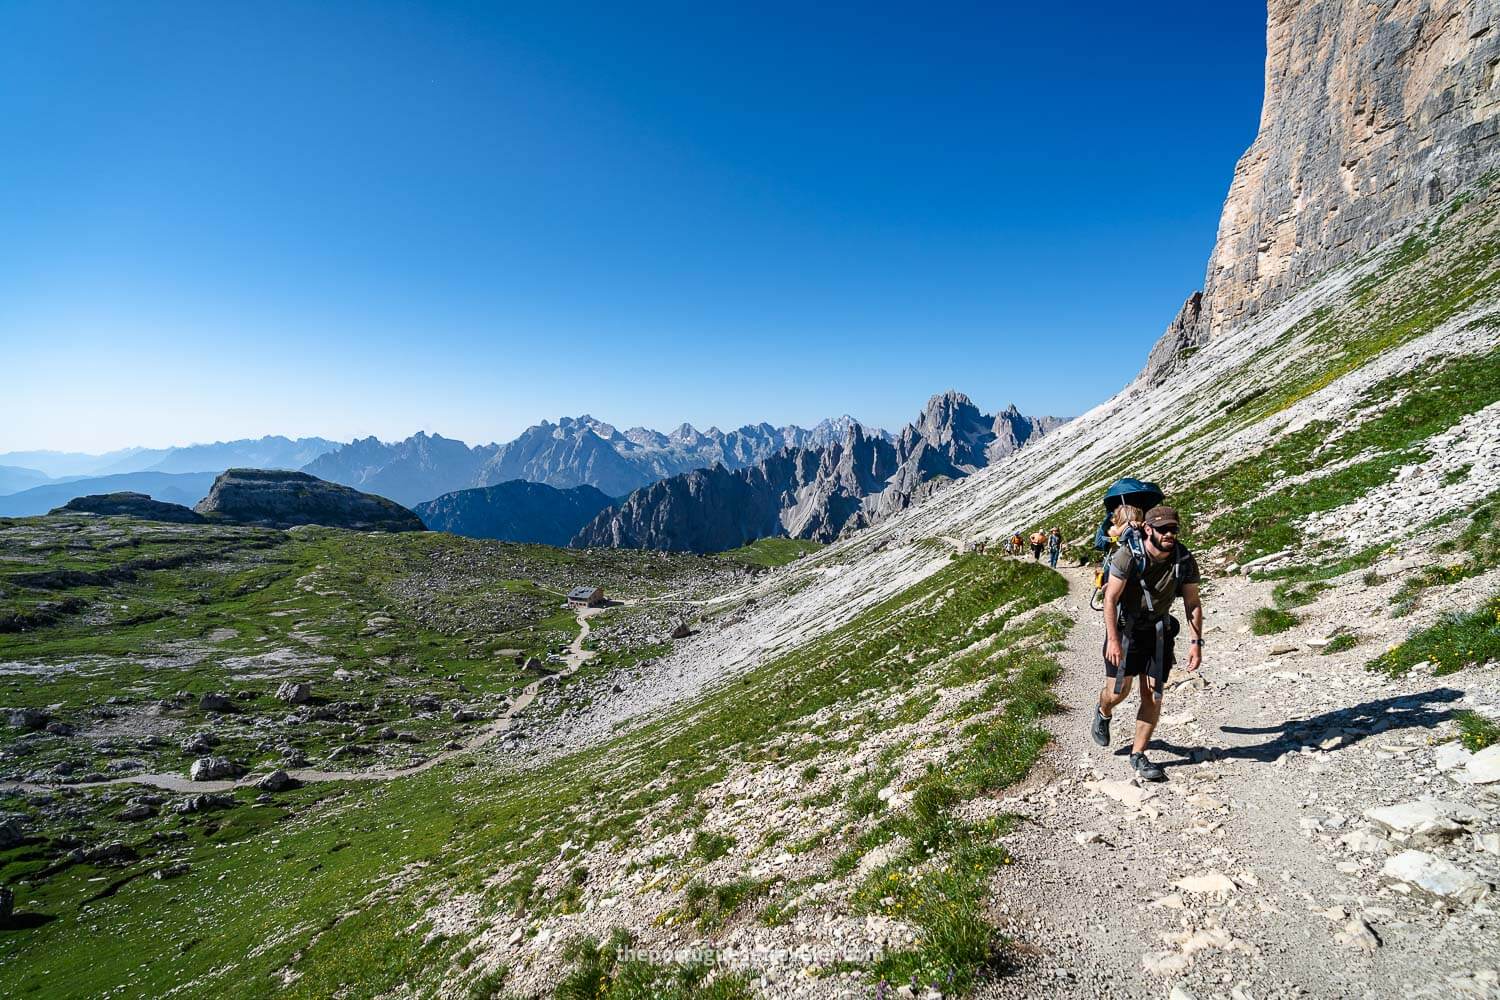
[[1142, 652]]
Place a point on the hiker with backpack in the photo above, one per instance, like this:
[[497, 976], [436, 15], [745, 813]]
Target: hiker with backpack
[[1037, 541], [1054, 546], [1146, 574]]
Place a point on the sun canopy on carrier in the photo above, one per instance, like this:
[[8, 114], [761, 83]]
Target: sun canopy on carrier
[[1136, 493]]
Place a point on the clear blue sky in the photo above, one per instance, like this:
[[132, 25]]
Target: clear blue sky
[[224, 220]]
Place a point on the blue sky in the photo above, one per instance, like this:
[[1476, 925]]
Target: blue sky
[[226, 220]]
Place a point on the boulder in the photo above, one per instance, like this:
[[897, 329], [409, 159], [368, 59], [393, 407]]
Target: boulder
[[212, 702], [214, 769], [11, 832], [27, 718], [173, 870], [114, 853], [294, 692], [278, 499], [681, 631], [1425, 821], [277, 781], [1435, 876], [135, 812], [58, 728], [203, 803], [200, 743], [1484, 767]]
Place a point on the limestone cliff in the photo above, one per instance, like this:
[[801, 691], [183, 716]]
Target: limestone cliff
[[1374, 113]]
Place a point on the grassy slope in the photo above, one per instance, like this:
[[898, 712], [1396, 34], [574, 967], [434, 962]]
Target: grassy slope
[[770, 552], [251, 903]]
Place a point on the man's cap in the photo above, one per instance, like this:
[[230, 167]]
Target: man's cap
[[1156, 517]]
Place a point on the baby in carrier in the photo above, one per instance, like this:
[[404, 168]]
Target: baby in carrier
[[1126, 519]]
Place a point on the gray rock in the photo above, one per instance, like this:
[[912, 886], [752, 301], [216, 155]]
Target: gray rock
[[200, 743], [1484, 767], [11, 831], [59, 728], [212, 702], [214, 769], [204, 803], [278, 499], [277, 781], [27, 718], [127, 504], [1425, 821], [1435, 876], [294, 692], [133, 813], [1334, 170], [174, 870]]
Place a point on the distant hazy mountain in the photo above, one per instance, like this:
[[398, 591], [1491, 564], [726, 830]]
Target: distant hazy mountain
[[420, 468], [816, 492], [57, 464], [186, 488], [516, 511], [271, 452], [14, 478], [575, 451]]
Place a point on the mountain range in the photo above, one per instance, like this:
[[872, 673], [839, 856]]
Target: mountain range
[[574, 451], [816, 492]]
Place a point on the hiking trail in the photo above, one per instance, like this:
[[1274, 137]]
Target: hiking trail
[[1229, 879]]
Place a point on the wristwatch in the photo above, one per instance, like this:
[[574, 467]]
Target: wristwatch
[[1195, 642]]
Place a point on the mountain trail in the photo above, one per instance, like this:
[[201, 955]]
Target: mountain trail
[[1251, 872]]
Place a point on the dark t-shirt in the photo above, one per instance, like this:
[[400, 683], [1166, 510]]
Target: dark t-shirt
[[1158, 577]]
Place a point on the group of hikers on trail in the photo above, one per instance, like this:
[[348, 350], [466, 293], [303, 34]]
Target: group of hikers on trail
[[1145, 572], [1051, 541]]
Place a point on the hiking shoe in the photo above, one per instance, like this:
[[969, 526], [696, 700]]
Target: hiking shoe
[[1147, 770], [1100, 729]]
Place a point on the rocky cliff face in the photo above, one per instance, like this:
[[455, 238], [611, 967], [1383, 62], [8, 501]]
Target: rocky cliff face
[[1374, 114], [819, 492], [286, 499], [516, 511]]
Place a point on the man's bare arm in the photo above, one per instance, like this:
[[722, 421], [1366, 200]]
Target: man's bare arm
[[1192, 603], [1113, 590]]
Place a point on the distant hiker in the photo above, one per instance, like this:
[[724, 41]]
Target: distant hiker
[[1037, 541], [1145, 577], [1054, 546], [1015, 544]]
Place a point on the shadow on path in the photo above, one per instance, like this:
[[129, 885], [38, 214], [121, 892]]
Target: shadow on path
[[1425, 710]]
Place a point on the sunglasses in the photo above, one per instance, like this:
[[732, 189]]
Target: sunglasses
[[1165, 529]]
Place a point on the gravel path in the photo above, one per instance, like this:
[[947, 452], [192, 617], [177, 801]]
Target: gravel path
[[1252, 871]]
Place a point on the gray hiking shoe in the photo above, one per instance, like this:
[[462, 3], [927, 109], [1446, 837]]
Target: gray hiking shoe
[[1147, 770], [1100, 729]]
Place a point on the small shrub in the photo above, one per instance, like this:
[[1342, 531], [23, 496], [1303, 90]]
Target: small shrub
[[1476, 731], [711, 846], [1373, 578], [809, 772], [1452, 642], [1339, 644], [1269, 621]]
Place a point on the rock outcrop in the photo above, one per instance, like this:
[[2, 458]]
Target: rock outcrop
[[816, 493], [287, 499], [128, 504], [1373, 115], [516, 511]]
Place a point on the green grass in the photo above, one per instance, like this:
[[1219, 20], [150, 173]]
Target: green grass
[[769, 553], [335, 846], [1269, 621], [1476, 731], [1454, 641], [605, 972], [1339, 644], [1478, 543]]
